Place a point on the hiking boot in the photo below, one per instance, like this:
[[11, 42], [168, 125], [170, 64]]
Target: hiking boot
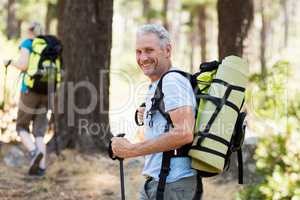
[[34, 168], [40, 172]]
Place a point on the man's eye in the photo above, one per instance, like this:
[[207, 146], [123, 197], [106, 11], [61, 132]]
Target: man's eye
[[149, 50]]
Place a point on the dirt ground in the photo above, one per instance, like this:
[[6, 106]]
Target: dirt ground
[[80, 177]]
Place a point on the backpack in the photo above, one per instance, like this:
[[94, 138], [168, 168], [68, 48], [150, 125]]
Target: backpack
[[45, 63], [210, 152]]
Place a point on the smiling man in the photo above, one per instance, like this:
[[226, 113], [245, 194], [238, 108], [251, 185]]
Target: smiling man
[[153, 55]]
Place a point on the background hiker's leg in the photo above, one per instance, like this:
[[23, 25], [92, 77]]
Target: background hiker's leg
[[27, 140], [27, 103], [42, 148], [40, 125]]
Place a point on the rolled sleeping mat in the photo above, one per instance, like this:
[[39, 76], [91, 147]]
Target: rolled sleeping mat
[[234, 71]]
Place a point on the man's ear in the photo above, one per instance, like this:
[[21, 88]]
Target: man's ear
[[168, 50]]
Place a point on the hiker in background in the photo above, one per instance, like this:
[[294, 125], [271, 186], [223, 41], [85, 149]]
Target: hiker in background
[[153, 54], [33, 108]]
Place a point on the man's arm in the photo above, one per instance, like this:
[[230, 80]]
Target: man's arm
[[182, 133]]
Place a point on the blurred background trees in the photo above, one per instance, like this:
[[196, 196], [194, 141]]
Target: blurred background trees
[[101, 35]]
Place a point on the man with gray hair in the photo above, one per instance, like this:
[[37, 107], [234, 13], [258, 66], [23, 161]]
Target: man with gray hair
[[172, 178]]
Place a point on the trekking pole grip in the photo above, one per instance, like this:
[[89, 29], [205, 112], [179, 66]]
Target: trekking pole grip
[[143, 105], [110, 152]]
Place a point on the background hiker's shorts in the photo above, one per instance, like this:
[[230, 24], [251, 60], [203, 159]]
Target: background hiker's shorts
[[32, 107], [183, 189]]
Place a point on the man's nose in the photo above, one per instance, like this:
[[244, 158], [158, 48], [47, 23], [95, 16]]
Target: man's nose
[[143, 57]]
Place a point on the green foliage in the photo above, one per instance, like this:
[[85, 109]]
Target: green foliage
[[252, 192], [268, 96], [294, 107], [277, 154], [278, 161], [191, 3]]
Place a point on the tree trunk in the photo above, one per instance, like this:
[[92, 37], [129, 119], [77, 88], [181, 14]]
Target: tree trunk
[[19, 22], [60, 16], [86, 34], [146, 10], [165, 14], [175, 25], [192, 42], [50, 15], [202, 17], [263, 37], [284, 4], [12, 22], [233, 28]]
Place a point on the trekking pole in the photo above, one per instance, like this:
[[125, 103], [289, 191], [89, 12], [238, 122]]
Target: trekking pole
[[4, 85], [110, 153], [122, 179]]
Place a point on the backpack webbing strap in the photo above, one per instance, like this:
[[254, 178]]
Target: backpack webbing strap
[[215, 137], [164, 172], [157, 104], [240, 165], [234, 87], [165, 169], [199, 188], [220, 102], [208, 150]]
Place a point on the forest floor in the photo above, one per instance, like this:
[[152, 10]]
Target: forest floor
[[74, 176]]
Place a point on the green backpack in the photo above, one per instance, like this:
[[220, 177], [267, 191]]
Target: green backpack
[[45, 63]]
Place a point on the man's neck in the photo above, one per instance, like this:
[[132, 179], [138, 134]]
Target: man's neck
[[158, 76]]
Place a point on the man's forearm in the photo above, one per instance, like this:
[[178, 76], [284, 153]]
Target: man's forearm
[[165, 142]]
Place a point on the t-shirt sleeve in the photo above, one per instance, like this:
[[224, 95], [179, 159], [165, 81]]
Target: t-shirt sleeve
[[177, 91], [27, 44]]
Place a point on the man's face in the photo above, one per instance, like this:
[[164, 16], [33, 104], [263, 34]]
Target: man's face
[[153, 59]]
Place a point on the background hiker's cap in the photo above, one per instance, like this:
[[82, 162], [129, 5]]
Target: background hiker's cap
[[36, 28]]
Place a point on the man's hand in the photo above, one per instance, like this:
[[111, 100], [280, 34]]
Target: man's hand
[[6, 62], [122, 148], [141, 111]]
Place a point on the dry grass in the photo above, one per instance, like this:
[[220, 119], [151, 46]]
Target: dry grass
[[71, 176], [79, 177]]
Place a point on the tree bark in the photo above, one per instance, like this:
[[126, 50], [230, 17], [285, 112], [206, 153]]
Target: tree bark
[[233, 28], [86, 34], [50, 15], [284, 4], [146, 10], [165, 14], [263, 37], [12, 22], [19, 25], [202, 17], [192, 42], [60, 16], [175, 25]]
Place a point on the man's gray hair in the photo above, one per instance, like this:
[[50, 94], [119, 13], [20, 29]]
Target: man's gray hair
[[158, 30]]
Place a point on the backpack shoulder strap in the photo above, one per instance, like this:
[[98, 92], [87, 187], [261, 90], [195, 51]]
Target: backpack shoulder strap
[[157, 100], [158, 104]]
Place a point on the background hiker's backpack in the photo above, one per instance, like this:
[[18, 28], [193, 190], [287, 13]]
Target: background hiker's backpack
[[217, 150], [45, 63]]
